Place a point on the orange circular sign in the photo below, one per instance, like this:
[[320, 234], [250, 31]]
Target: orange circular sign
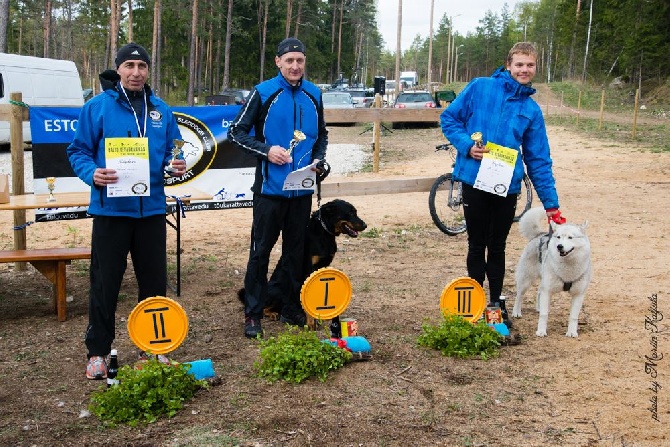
[[465, 297], [325, 294], [158, 325]]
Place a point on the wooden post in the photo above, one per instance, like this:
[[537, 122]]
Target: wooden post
[[376, 135], [602, 108], [637, 99], [548, 95], [579, 106], [18, 184]]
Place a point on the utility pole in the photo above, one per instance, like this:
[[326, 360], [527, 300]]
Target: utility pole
[[446, 81], [430, 48], [397, 49]]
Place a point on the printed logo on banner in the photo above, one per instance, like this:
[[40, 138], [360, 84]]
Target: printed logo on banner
[[199, 148]]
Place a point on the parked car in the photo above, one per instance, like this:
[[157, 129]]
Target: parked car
[[240, 94], [338, 100], [361, 98], [414, 100]]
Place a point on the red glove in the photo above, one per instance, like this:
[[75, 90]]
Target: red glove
[[554, 214]]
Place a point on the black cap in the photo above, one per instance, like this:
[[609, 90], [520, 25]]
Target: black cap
[[289, 45], [132, 52]]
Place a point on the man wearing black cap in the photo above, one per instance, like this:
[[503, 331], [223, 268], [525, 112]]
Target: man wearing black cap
[[125, 114], [275, 110]]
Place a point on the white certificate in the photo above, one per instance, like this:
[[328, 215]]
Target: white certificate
[[129, 157], [496, 170], [301, 179]]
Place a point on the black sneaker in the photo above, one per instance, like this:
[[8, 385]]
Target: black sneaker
[[252, 328], [298, 319], [505, 319]]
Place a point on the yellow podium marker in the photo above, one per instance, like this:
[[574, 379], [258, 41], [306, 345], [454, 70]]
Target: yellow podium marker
[[465, 297], [325, 294], [158, 325]]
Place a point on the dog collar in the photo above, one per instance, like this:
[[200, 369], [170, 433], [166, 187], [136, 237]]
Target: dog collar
[[318, 216]]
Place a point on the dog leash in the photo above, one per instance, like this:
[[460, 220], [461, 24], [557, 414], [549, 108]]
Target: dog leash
[[323, 169]]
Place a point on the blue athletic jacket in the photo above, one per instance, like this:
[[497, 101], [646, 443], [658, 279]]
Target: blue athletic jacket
[[502, 109], [274, 109], [109, 115]]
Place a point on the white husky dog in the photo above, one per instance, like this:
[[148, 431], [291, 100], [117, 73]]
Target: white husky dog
[[561, 258]]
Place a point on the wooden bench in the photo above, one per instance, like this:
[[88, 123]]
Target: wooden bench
[[51, 263]]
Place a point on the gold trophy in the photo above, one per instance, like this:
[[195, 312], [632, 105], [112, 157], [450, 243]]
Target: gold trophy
[[51, 184], [176, 153], [477, 138], [298, 136]]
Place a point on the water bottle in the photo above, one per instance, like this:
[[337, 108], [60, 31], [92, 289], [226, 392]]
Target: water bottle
[[112, 369]]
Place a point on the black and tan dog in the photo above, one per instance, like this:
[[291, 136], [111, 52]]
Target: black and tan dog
[[331, 220]]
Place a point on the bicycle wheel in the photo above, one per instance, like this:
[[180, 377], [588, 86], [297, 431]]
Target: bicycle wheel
[[445, 203], [524, 199]]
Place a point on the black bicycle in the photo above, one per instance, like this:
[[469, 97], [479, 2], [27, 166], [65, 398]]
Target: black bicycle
[[445, 200]]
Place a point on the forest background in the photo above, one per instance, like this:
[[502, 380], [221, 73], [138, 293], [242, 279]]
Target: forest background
[[200, 47]]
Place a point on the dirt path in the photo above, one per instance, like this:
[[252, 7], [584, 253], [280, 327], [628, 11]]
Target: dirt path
[[601, 389]]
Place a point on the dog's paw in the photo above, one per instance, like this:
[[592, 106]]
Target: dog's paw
[[516, 314], [541, 333], [571, 334]]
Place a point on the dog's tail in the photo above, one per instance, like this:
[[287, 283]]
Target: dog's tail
[[533, 223]]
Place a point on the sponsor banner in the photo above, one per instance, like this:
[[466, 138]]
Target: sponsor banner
[[214, 165]]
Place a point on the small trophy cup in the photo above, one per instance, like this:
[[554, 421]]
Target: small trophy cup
[[477, 138], [298, 136], [51, 184], [176, 153]]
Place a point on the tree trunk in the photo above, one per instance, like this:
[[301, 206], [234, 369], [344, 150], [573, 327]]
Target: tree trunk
[[339, 37], [191, 58], [297, 19], [264, 35], [336, 74], [155, 46], [226, 57], [47, 26], [4, 20], [571, 56], [130, 21], [289, 14], [114, 20]]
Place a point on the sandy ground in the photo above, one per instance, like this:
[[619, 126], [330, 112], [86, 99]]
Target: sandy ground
[[609, 387]]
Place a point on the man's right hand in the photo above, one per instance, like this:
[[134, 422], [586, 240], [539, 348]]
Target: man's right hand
[[279, 156], [104, 177], [477, 151]]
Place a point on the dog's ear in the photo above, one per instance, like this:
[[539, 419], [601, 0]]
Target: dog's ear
[[584, 225]]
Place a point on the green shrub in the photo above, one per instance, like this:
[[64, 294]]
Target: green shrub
[[296, 355], [145, 394], [456, 337]]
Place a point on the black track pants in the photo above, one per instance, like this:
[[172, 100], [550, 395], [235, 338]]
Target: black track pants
[[489, 218], [112, 239], [290, 217]]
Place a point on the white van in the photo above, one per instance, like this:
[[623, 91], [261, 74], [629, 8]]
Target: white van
[[42, 82]]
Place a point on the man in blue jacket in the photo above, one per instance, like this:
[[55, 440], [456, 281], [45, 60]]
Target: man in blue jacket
[[124, 221], [501, 109], [274, 110]]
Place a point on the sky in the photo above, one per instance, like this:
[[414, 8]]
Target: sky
[[465, 15]]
